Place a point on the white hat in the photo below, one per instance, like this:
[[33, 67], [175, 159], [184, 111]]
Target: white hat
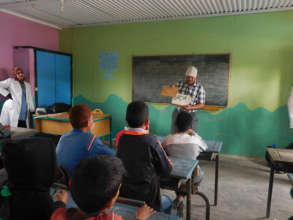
[[191, 71]]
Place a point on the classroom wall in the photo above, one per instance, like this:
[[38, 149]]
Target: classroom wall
[[261, 47], [16, 31]]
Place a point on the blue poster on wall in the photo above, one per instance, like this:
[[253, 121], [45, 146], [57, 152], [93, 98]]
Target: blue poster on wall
[[108, 63]]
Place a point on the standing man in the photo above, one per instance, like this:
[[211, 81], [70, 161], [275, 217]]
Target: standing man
[[193, 88], [19, 101]]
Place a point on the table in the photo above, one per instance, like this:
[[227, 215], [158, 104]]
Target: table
[[59, 124], [128, 212], [279, 160], [183, 169], [213, 154]]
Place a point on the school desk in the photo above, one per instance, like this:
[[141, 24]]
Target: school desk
[[182, 170], [279, 160], [59, 124], [213, 154]]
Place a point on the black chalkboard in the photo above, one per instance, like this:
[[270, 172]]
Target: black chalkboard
[[150, 73]]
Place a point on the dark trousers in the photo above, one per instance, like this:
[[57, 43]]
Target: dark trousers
[[21, 123], [174, 116]]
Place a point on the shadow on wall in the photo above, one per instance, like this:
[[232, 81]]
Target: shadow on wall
[[243, 131]]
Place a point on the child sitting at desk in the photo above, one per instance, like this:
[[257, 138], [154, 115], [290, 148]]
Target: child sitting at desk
[[185, 143], [143, 157], [95, 187], [31, 167], [79, 144]]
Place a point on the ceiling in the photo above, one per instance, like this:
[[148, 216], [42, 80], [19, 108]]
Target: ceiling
[[74, 13]]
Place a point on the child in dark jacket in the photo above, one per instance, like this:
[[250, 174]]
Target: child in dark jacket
[[95, 187], [143, 157], [31, 168]]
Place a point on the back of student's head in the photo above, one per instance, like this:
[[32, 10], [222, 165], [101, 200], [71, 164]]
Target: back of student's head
[[136, 114], [183, 121], [79, 116], [30, 163], [96, 181]]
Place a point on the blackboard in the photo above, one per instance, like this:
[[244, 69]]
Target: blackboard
[[150, 73]]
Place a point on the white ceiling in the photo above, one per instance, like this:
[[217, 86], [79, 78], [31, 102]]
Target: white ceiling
[[73, 13]]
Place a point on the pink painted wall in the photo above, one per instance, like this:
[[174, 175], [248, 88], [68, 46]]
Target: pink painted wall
[[16, 31]]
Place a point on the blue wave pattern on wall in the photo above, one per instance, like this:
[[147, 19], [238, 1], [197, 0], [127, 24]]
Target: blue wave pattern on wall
[[243, 131]]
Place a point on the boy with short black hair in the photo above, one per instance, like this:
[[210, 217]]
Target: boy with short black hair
[[80, 143], [143, 157], [95, 187], [185, 143]]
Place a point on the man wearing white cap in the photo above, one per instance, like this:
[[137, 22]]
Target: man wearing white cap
[[193, 88]]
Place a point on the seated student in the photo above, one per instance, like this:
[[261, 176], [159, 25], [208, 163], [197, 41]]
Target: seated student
[[31, 167], [79, 144], [143, 157], [95, 187], [185, 143]]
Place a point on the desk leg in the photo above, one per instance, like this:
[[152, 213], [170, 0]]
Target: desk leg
[[216, 180], [270, 192], [188, 200]]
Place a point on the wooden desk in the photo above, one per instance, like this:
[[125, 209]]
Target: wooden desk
[[59, 124], [279, 160], [213, 154]]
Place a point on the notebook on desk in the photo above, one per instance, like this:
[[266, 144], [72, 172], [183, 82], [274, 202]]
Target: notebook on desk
[[281, 155]]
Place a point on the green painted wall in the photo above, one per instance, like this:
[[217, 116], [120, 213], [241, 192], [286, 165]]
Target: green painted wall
[[261, 47]]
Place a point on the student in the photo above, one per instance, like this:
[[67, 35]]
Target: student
[[19, 101], [143, 157], [31, 167], [185, 143], [79, 143], [95, 187]]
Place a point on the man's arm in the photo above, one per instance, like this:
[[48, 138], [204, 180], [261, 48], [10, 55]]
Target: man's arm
[[4, 85], [201, 104]]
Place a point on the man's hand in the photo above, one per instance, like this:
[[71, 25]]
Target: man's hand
[[187, 107]]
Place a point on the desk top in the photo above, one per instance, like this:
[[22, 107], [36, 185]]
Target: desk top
[[214, 146], [65, 117], [183, 167], [281, 155], [128, 212]]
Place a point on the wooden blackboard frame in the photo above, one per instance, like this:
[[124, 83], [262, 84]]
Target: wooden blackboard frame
[[207, 107]]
